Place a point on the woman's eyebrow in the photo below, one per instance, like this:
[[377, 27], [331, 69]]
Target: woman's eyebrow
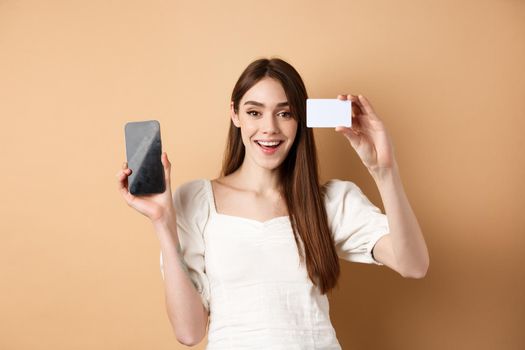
[[255, 103]]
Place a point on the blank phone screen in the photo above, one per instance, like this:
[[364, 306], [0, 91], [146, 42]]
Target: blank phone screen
[[143, 153]]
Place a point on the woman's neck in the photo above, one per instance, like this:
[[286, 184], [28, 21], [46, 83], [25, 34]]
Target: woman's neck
[[259, 180]]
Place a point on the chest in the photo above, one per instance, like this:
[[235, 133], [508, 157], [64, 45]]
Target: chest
[[246, 205], [243, 251]]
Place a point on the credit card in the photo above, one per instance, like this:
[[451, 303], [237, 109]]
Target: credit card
[[328, 112]]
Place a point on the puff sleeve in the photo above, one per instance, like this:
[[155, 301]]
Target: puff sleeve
[[356, 224], [192, 211]]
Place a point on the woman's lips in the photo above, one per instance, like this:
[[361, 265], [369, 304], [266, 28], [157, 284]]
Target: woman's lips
[[269, 150]]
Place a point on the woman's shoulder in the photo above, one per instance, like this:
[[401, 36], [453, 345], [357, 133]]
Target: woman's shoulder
[[190, 186], [335, 188], [346, 196], [192, 193]]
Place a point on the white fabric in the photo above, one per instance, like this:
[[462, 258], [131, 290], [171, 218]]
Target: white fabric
[[249, 275]]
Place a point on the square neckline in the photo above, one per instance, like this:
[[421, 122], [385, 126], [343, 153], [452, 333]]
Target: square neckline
[[211, 198]]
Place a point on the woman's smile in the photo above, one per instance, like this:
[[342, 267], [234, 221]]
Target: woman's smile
[[269, 147]]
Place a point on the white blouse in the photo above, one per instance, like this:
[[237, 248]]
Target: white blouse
[[249, 275]]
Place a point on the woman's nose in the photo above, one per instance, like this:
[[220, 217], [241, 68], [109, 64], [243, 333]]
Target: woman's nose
[[269, 124]]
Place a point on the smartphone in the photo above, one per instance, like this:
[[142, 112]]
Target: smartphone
[[143, 153]]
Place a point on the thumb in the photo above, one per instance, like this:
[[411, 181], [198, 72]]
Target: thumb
[[350, 134], [167, 168]]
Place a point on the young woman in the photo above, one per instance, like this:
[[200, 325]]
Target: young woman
[[256, 250]]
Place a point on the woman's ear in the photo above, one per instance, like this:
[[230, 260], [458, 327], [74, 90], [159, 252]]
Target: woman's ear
[[234, 116]]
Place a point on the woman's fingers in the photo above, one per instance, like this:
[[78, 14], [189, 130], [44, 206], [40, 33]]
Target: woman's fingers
[[356, 109], [362, 106], [352, 98], [366, 107], [350, 134], [122, 178], [122, 182], [167, 168], [363, 101]]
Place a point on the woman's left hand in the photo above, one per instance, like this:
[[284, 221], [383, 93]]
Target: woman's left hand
[[368, 136]]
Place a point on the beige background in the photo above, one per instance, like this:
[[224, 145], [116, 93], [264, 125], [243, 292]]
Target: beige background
[[79, 269]]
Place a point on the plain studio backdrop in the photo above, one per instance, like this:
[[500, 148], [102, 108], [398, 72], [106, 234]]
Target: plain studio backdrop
[[79, 269]]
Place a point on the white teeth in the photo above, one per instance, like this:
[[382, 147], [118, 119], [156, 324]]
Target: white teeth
[[274, 143]]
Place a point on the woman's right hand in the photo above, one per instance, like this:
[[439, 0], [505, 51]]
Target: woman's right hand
[[155, 206]]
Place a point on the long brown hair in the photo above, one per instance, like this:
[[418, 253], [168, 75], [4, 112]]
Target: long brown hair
[[298, 173]]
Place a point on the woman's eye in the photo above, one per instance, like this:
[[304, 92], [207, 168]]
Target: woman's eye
[[253, 115], [285, 114]]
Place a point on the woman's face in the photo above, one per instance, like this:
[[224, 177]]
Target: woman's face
[[264, 115]]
